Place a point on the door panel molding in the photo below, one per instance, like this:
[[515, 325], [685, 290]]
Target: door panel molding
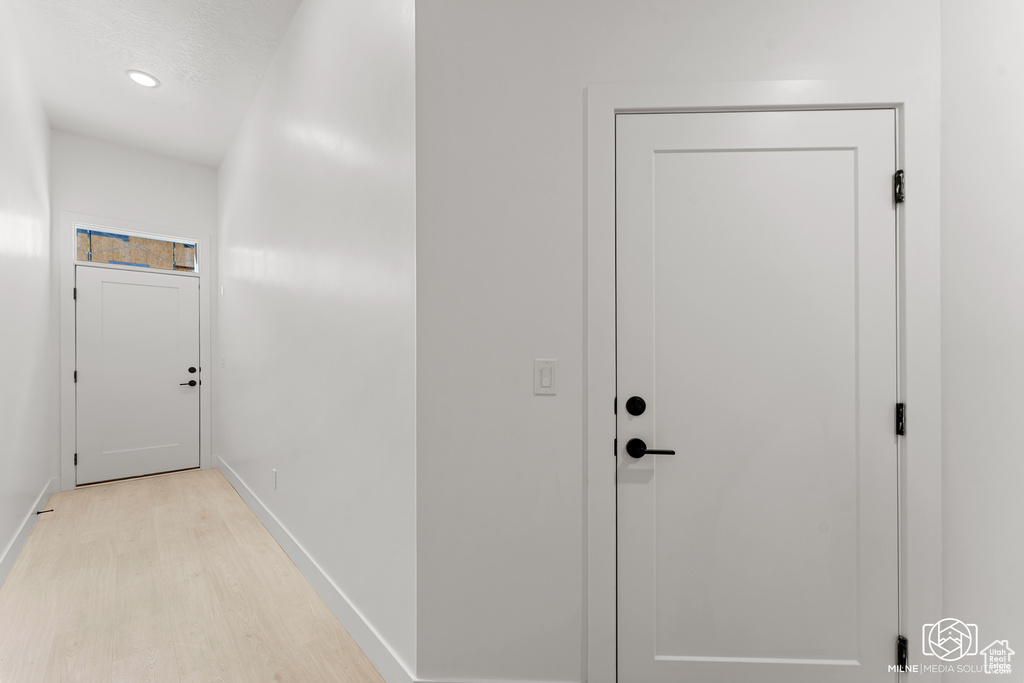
[[916, 102], [756, 293], [66, 263], [137, 337]]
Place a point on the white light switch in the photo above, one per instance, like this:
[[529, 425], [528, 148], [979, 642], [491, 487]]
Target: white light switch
[[545, 377]]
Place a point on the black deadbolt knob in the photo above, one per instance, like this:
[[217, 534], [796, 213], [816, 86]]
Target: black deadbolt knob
[[636, 406], [636, 448], [191, 369]]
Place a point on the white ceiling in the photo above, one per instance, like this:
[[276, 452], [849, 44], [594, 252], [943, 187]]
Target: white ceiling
[[209, 55]]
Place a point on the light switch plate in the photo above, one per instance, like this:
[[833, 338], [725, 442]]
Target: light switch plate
[[545, 377]]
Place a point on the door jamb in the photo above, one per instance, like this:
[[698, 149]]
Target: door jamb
[[920, 473], [66, 263]]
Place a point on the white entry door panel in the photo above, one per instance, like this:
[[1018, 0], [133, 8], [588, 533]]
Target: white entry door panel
[[756, 317], [137, 337]]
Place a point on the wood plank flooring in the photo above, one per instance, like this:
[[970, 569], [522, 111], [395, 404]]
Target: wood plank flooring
[[165, 579]]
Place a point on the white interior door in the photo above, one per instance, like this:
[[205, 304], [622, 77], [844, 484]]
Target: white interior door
[[756, 317], [137, 351]]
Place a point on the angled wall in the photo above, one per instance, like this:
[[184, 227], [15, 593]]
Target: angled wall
[[317, 330], [29, 411]]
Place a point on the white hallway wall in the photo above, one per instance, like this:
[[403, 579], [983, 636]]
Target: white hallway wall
[[317, 319], [983, 318], [500, 243], [104, 179], [112, 181], [29, 411]]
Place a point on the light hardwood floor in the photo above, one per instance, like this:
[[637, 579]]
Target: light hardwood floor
[[169, 578]]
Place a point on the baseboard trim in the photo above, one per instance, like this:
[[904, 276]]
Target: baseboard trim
[[10, 553], [383, 657]]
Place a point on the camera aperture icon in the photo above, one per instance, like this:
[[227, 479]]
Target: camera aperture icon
[[950, 639]]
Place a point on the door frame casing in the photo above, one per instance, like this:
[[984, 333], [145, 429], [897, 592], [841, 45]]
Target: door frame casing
[[916, 102], [67, 263]]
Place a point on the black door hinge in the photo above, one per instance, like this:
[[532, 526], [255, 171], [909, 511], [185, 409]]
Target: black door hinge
[[615, 406], [76, 375], [901, 419], [74, 294], [902, 653], [898, 189], [615, 448], [76, 459]]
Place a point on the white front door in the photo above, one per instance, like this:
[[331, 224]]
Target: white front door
[[137, 360], [757, 320]]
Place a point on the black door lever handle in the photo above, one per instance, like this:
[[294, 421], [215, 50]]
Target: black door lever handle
[[190, 383], [636, 448]]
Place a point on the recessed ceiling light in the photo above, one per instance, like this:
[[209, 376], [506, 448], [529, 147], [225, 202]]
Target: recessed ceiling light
[[142, 78]]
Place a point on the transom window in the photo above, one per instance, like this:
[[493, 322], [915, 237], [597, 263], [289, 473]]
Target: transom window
[[101, 245]]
